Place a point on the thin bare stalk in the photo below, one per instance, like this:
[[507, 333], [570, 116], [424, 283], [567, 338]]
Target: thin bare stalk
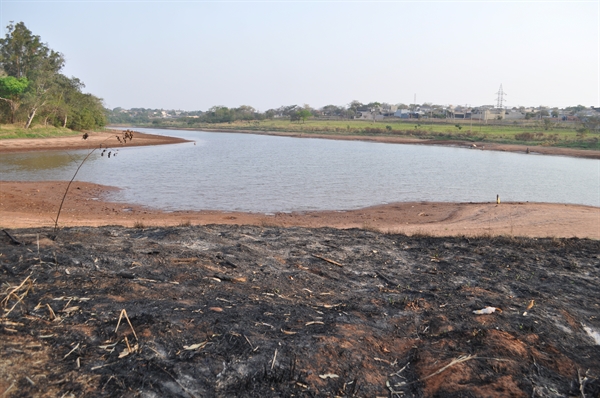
[[68, 186], [126, 135]]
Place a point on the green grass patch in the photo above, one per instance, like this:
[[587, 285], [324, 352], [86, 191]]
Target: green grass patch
[[530, 133], [8, 131]]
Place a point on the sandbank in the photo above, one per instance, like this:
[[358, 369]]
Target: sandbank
[[94, 139], [33, 204]]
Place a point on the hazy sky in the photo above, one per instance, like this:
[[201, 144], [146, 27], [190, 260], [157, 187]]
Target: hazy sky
[[192, 55]]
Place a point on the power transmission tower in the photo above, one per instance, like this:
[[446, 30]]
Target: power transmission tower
[[500, 99]]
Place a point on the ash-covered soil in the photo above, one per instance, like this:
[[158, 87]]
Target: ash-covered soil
[[222, 311]]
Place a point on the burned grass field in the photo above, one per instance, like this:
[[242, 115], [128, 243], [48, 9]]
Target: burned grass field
[[263, 311]]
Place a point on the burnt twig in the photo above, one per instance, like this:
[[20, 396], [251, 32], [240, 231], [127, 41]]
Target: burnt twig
[[328, 260], [12, 238]]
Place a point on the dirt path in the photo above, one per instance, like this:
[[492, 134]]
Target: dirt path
[[29, 204]]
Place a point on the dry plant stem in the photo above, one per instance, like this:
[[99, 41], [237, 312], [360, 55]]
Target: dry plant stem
[[274, 358], [463, 358], [124, 314], [68, 186], [127, 343], [5, 300], [73, 178], [328, 260], [9, 388], [249, 342], [13, 293], [70, 352], [582, 381], [52, 314]]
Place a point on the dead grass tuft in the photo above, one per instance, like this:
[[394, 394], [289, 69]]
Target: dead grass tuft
[[421, 233]]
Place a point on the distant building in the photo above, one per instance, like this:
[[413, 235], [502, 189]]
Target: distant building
[[487, 114], [514, 114], [402, 113]]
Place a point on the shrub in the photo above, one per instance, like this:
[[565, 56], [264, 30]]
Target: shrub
[[524, 136]]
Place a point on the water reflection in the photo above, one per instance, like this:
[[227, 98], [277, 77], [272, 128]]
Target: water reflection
[[45, 161], [229, 171]]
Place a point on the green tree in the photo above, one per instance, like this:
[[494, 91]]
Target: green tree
[[572, 110], [332, 110], [304, 114], [66, 105], [62, 99], [87, 112], [11, 91], [23, 55]]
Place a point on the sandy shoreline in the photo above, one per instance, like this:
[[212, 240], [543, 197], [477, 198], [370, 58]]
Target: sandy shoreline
[[31, 204], [34, 204], [106, 138]]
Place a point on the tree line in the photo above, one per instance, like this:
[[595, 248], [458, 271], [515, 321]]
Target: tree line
[[297, 113], [223, 114], [33, 89]]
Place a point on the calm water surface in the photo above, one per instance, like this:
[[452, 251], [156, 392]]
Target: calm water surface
[[228, 171]]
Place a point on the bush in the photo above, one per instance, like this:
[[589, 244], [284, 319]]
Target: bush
[[524, 136]]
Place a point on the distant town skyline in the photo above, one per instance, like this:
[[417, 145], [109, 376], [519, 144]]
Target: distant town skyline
[[192, 55]]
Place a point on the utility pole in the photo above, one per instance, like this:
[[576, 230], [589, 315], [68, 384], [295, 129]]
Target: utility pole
[[500, 100]]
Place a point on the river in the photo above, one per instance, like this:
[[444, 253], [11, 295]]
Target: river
[[260, 173]]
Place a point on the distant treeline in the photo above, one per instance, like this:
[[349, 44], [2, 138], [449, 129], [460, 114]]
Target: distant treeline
[[33, 89], [296, 113], [216, 114], [223, 114]]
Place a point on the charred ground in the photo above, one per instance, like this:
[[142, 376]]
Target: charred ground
[[266, 311]]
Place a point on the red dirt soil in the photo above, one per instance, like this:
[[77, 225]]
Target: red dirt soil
[[29, 204]]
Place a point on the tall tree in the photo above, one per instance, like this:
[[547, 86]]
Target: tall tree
[[62, 100], [23, 54], [39, 92], [87, 112], [34, 82]]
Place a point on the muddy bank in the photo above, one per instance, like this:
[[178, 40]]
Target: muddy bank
[[477, 145], [264, 311], [93, 141], [32, 204]]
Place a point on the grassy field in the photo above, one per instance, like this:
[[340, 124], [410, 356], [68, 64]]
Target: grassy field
[[525, 133], [8, 131]]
